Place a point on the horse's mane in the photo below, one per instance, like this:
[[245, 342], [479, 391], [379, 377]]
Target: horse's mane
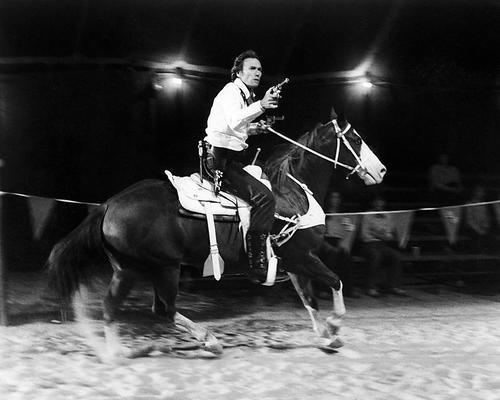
[[288, 159]]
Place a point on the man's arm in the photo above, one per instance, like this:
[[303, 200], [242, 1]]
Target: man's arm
[[235, 115]]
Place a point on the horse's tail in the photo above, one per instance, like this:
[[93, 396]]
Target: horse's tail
[[73, 259]]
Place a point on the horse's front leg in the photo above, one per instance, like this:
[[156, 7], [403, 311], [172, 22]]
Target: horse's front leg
[[329, 256], [312, 267], [303, 289], [326, 332]]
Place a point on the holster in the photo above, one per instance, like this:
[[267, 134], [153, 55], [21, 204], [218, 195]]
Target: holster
[[212, 163]]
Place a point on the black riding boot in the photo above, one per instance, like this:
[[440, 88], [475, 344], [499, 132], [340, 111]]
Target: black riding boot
[[257, 256]]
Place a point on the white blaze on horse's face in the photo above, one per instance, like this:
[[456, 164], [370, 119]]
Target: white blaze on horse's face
[[373, 171], [368, 167]]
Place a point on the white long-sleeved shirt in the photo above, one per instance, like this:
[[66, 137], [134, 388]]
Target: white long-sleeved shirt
[[230, 117]]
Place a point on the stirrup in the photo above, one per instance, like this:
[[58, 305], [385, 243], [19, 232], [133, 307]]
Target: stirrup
[[272, 266]]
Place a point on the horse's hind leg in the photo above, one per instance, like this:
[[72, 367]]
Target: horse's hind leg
[[119, 287], [158, 308], [166, 283]]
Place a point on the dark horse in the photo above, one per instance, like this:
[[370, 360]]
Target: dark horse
[[142, 230]]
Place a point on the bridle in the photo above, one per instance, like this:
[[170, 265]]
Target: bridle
[[340, 135]]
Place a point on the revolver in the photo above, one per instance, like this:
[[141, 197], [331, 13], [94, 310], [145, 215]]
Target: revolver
[[279, 86], [271, 119]]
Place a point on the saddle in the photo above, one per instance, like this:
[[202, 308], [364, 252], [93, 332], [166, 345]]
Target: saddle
[[197, 196], [194, 193]]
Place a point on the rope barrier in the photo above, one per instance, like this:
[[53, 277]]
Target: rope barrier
[[2, 193], [48, 198], [414, 209]]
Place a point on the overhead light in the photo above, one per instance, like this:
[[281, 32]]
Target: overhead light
[[168, 82], [363, 82], [366, 84], [177, 82], [361, 85]]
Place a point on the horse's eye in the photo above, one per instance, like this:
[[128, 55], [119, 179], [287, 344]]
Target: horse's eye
[[356, 140]]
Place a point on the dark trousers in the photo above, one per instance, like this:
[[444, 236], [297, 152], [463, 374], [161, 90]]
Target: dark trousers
[[240, 183], [382, 258]]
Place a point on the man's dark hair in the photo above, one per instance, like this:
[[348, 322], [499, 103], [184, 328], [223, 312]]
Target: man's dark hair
[[238, 62]]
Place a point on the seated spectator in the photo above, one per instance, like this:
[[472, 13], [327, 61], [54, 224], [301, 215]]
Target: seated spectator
[[379, 247], [333, 252], [478, 221], [445, 182]]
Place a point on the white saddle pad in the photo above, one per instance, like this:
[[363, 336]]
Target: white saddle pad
[[193, 193]]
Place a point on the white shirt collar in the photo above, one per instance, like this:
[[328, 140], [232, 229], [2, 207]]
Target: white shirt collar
[[238, 82]]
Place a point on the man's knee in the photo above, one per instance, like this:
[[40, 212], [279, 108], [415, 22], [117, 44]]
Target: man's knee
[[264, 198], [270, 200]]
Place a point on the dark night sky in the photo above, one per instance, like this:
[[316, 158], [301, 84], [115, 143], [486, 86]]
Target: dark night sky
[[292, 37]]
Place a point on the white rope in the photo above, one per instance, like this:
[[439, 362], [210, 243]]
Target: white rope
[[415, 209], [302, 185], [49, 198]]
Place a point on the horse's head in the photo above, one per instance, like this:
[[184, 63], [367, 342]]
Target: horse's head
[[351, 151]]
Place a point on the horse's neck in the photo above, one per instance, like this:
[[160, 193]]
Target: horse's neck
[[316, 174], [309, 169]]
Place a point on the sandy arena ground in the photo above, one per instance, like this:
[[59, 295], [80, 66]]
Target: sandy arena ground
[[430, 345]]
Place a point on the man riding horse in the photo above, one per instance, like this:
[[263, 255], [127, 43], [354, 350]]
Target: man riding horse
[[141, 230], [228, 127]]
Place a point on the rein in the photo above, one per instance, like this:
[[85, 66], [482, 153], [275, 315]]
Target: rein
[[340, 135]]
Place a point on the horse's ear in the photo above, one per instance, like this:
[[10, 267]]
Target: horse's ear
[[333, 114]]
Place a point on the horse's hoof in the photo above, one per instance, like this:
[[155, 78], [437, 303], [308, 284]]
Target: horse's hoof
[[213, 347], [140, 352], [336, 343], [330, 346], [331, 343], [211, 343], [159, 311], [328, 349]]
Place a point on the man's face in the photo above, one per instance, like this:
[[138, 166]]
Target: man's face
[[251, 72]]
